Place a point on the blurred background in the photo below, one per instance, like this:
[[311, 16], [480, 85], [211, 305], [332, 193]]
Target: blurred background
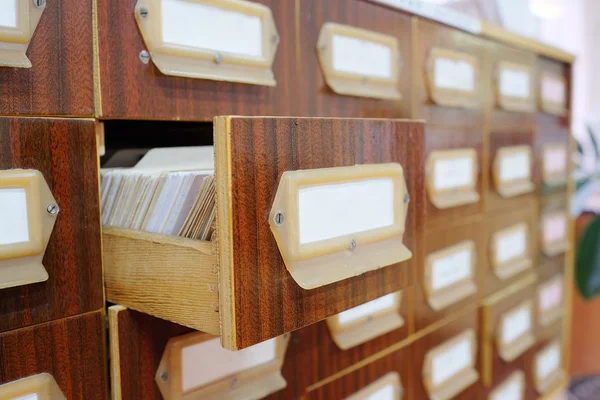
[[573, 26]]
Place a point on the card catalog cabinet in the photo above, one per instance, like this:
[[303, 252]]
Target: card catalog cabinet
[[447, 361], [453, 273], [62, 359], [512, 245], [62, 213], [132, 85], [389, 377], [50, 70], [509, 329], [265, 287], [355, 60]]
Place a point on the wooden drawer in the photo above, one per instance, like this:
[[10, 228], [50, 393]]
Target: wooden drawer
[[514, 383], [258, 298], [64, 152], [322, 99], [440, 109], [455, 173], [554, 101], [453, 274], [507, 234], [509, 329], [130, 88], [60, 79], [550, 305], [553, 228], [448, 348], [71, 350], [553, 375], [381, 374]]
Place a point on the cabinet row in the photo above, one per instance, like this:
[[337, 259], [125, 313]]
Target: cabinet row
[[356, 187], [505, 349], [134, 60]]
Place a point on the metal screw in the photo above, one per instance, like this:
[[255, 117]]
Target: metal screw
[[279, 218], [352, 245], [39, 3], [52, 209], [144, 56], [406, 198], [143, 12], [164, 376], [234, 382], [218, 58], [323, 48]]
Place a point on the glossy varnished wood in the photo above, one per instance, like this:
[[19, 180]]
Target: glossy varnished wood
[[134, 90], [400, 361], [137, 343], [60, 82], [423, 345], [319, 99], [72, 350], [526, 211], [442, 238], [64, 151], [266, 300], [556, 202]]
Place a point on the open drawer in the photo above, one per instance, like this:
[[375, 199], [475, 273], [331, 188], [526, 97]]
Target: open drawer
[[314, 216]]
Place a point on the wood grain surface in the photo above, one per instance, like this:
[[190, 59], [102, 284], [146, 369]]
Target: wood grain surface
[[137, 342], [266, 300], [134, 90], [60, 82], [317, 98], [72, 350], [400, 361], [64, 151], [442, 238]]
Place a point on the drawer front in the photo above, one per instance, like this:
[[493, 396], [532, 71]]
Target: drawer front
[[509, 326], [551, 375], [440, 349], [71, 350], [453, 274], [553, 227], [432, 37], [64, 152], [130, 88], [321, 99], [505, 232], [382, 374], [455, 174], [60, 80], [257, 161]]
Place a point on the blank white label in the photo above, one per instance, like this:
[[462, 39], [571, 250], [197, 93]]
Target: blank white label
[[512, 391], [453, 173], [451, 361], [206, 362], [14, 223], [330, 211], [515, 167], [547, 361], [451, 269], [388, 392], [8, 13], [370, 308], [516, 324], [550, 296], [555, 160], [361, 57], [555, 228], [553, 90], [32, 396], [454, 74], [197, 25], [513, 245], [514, 83]]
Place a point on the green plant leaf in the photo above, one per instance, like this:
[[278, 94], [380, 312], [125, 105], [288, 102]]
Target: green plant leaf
[[587, 264], [594, 143], [579, 147]]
